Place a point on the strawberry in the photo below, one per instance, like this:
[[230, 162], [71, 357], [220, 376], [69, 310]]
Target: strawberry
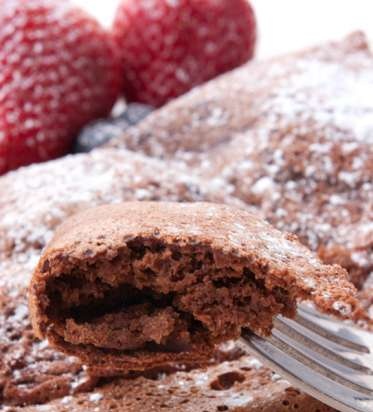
[[58, 70], [169, 46]]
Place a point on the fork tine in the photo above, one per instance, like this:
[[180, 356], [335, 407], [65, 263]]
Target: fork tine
[[286, 345], [339, 354], [340, 333], [302, 373], [335, 368]]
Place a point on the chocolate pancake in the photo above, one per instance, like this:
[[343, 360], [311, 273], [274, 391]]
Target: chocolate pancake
[[142, 284], [292, 135]]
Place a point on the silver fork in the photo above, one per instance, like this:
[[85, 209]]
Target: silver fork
[[329, 360]]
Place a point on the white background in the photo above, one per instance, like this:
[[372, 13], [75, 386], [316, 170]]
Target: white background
[[285, 25]]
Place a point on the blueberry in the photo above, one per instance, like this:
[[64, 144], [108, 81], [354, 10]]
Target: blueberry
[[136, 112], [101, 131]]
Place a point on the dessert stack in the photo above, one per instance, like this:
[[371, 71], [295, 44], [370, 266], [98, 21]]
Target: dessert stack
[[288, 140]]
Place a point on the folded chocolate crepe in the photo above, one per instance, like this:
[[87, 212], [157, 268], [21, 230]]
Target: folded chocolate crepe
[[292, 135], [138, 285]]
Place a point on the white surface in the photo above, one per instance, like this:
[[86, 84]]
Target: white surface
[[285, 25]]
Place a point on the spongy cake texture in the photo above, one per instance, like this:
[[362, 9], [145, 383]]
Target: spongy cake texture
[[177, 277]]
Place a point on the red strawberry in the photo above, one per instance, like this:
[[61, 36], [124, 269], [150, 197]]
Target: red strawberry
[[58, 70], [169, 46]]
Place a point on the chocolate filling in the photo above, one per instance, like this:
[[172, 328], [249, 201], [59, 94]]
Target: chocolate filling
[[156, 296]]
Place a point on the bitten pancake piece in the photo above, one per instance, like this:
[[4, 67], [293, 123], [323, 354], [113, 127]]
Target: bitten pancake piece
[[141, 284]]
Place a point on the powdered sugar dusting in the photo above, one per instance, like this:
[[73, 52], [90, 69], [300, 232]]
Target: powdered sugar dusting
[[95, 397], [319, 142], [63, 187], [342, 308]]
